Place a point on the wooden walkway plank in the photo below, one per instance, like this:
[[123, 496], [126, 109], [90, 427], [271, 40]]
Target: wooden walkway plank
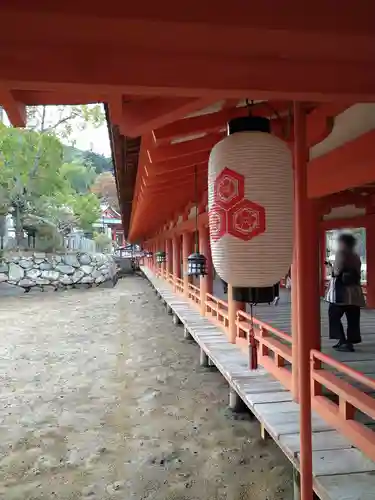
[[359, 486], [341, 472]]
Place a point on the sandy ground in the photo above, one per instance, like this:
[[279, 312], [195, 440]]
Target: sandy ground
[[101, 398]]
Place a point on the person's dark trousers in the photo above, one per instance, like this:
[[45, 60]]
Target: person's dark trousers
[[353, 317], [336, 330]]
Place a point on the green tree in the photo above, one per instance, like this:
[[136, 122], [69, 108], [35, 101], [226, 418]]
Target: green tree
[[79, 176], [86, 209], [29, 169]]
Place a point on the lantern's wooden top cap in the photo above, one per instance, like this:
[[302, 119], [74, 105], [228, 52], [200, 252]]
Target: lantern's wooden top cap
[[249, 124]]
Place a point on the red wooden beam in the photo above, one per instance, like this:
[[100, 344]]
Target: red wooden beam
[[189, 75], [15, 110], [346, 167], [320, 121], [213, 122], [159, 168], [140, 117], [162, 153], [167, 184], [291, 16]]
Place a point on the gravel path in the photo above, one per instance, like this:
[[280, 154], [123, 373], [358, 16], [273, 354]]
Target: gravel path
[[101, 398]]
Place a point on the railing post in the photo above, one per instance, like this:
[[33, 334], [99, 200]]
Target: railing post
[[233, 307], [205, 281]]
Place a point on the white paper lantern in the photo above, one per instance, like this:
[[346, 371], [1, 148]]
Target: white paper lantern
[[250, 201]]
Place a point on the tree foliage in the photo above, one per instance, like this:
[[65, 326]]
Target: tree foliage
[[34, 180], [105, 188], [98, 162], [79, 176], [63, 120]]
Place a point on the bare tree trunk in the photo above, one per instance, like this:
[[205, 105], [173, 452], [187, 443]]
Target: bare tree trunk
[[18, 226]]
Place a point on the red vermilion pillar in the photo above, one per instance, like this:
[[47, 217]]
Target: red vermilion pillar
[[165, 263], [322, 248], [187, 241], [370, 261], [169, 252], [206, 282], [294, 280], [176, 247], [307, 244]]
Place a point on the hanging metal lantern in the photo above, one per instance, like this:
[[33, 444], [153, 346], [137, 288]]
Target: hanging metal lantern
[[161, 257], [197, 265], [250, 203]]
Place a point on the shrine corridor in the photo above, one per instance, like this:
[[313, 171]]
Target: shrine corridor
[[102, 398]]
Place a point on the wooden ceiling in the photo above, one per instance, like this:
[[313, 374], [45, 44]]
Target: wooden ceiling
[[156, 64]]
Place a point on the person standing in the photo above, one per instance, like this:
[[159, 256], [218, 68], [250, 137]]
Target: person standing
[[345, 295]]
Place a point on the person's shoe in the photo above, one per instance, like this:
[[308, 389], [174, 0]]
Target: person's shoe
[[359, 341], [339, 344], [346, 348]]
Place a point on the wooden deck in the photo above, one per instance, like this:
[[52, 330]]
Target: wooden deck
[[341, 472], [363, 359]]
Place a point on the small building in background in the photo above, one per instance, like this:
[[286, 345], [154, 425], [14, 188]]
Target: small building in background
[[110, 224]]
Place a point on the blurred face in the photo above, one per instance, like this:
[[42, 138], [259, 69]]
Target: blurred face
[[341, 245]]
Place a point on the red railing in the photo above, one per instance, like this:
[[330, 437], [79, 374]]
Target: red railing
[[194, 293], [341, 414], [171, 278], [217, 310], [179, 285], [274, 346]]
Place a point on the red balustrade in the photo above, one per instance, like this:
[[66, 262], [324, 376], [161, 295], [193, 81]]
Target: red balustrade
[[274, 347], [340, 413], [217, 311]]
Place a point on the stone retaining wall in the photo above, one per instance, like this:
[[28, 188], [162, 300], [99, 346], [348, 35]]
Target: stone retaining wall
[[39, 269]]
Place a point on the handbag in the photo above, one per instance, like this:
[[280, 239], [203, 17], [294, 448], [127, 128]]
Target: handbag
[[336, 291]]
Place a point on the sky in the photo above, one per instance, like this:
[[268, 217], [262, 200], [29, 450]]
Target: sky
[[93, 139]]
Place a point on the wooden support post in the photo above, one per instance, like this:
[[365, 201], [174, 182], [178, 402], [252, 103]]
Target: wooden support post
[[294, 295], [370, 261], [307, 243], [187, 334], [176, 250], [211, 364], [323, 250], [186, 251], [175, 319], [235, 402], [233, 307], [206, 282], [169, 252], [164, 264], [263, 432], [203, 358], [296, 485]]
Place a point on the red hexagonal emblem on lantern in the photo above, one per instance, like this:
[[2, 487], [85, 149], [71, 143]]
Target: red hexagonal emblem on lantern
[[218, 222], [229, 188], [246, 220]]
